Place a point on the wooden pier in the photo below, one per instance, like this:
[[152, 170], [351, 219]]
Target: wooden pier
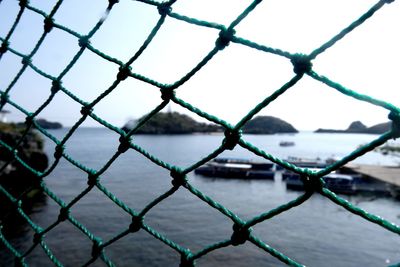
[[387, 174]]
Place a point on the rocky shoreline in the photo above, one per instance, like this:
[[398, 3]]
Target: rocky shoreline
[[15, 178]]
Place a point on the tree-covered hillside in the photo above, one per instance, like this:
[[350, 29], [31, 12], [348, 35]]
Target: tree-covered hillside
[[172, 123]]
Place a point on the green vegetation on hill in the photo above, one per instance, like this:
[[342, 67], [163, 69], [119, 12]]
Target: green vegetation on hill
[[176, 123], [48, 124], [172, 123], [268, 125], [45, 124]]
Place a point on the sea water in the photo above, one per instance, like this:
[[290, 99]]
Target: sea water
[[317, 233]]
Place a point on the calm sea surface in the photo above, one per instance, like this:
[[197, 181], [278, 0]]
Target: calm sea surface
[[317, 233]]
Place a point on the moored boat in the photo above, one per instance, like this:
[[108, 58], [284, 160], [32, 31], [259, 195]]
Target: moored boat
[[336, 182], [286, 143], [314, 163], [236, 168]]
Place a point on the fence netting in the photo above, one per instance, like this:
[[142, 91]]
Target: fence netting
[[242, 229]]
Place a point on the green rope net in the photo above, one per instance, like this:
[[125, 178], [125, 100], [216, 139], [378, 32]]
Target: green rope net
[[242, 229]]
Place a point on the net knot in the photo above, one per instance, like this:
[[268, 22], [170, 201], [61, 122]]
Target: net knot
[[123, 73], [29, 120], [167, 94], [186, 260], [136, 225], [64, 214], [48, 24], [232, 137], [93, 179], [312, 184], [395, 118], [4, 47], [23, 3], [111, 3], [38, 237], [240, 234], [3, 99], [97, 248], [55, 86], [301, 64], [58, 151], [84, 41], [26, 60], [164, 8], [86, 110], [225, 36], [179, 178], [124, 144]]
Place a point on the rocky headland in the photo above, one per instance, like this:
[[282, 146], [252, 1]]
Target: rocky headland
[[15, 178], [268, 125], [176, 123], [359, 127]]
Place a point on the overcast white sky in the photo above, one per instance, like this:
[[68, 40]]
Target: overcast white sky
[[233, 82]]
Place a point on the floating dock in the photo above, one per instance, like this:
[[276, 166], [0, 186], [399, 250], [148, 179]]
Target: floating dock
[[387, 174]]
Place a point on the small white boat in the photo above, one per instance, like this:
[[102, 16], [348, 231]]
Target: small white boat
[[286, 143]]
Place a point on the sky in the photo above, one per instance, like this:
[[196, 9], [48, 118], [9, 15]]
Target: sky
[[232, 83]]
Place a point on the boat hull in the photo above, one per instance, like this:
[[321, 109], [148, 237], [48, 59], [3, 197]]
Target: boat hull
[[234, 173], [236, 168], [338, 183]]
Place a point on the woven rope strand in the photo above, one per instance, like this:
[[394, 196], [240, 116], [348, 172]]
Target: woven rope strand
[[302, 65]]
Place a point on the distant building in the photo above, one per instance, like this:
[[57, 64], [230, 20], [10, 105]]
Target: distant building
[[3, 115]]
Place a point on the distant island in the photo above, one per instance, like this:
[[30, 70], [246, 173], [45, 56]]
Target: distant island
[[176, 123], [45, 124], [48, 124], [359, 127], [171, 123], [268, 125]]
